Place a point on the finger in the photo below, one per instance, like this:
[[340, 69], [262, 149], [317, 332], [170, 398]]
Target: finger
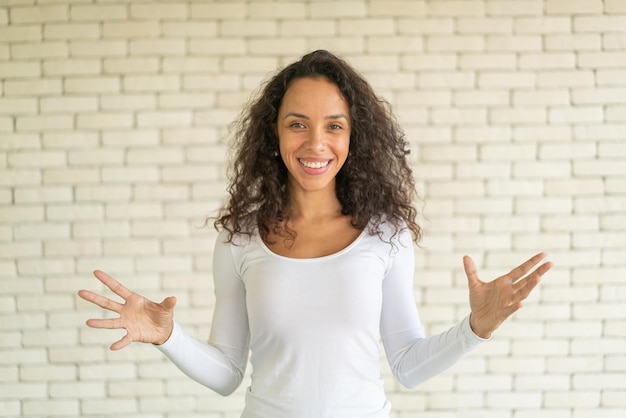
[[121, 343], [169, 303], [522, 269], [523, 287], [112, 323], [470, 269], [100, 300], [112, 284]]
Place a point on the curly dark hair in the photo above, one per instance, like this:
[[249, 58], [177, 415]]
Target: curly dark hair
[[375, 184]]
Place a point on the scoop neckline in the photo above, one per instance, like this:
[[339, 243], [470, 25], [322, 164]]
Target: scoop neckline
[[309, 259]]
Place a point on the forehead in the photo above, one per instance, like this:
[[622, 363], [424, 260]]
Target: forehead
[[314, 94]]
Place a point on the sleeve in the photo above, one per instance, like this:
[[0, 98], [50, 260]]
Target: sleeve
[[414, 358], [219, 364]]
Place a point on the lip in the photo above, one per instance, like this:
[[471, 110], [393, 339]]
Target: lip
[[315, 171]]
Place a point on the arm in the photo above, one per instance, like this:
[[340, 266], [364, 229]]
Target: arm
[[220, 364], [414, 358]]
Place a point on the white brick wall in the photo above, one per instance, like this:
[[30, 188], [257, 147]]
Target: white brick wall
[[111, 154]]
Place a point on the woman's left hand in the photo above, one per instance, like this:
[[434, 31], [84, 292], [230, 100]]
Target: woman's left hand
[[493, 302]]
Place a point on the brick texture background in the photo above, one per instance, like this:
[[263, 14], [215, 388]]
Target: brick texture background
[[113, 116]]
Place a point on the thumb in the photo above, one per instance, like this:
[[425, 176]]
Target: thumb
[[169, 303], [470, 270]]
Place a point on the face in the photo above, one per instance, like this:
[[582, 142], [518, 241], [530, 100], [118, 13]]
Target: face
[[313, 133]]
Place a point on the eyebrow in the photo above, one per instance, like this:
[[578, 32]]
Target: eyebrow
[[300, 115]]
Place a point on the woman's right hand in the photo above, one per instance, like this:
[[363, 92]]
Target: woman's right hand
[[144, 320]]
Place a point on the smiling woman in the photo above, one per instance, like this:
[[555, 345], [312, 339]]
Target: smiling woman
[[314, 262]]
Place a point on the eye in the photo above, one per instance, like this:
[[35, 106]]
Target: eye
[[296, 125], [335, 127]]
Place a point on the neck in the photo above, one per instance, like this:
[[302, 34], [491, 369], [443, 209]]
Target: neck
[[311, 206]]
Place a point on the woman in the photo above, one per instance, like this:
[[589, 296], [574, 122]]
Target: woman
[[314, 262]]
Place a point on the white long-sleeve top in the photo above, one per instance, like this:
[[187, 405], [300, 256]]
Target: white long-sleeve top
[[313, 328]]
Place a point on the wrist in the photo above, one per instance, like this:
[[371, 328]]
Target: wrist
[[477, 330]]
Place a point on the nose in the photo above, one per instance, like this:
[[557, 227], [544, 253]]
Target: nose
[[317, 139]]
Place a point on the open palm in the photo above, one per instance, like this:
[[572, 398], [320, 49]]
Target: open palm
[[144, 320], [493, 302]]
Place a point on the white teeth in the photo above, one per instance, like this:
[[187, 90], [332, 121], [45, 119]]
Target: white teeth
[[314, 164]]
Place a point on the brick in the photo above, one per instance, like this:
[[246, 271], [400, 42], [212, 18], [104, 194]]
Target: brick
[[555, 60], [160, 193], [40, 50], [614, 6], [69, 248], [567, 151], [517, 8], [87, 229], [130, 65], [127, 29], [514, 188], [71, 31], [18, 105], [44, 123], [158, 156], [230, 10], [484, 25], [159, 11], [487, 61], [93, 193], [575, 115], [136, 137], [68, 104], [611, 77], [456, 8], [482, 134], [21, 213], [598, 132], [256, 28], [601, 59], [152, 83], [44, 338], [128, 102], [21, 33], [43, 194], [573, 42], [428, 62], [132, 247], [100, 48], [543, 97], [598, 96], [34, 230], [39, 87], [164, 119], [71, 176], [135, 174], [100, 12], [19, 69], [185, 100], [77, 390], [414, 26], [517, 43], [190, 64], [458, 116], [202, 29], [544, 25], [465, 43], [569, 399], [92, 85], [134, 210], [489, 79], [216, 47], [446, 80], [569, 222], [39, 14], [104, 120], [517, 115], [162, 228], [277, 47], [423, 98], [74, 212], [574, 7]]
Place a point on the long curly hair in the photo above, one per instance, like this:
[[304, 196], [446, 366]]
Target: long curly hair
[[375, 184]]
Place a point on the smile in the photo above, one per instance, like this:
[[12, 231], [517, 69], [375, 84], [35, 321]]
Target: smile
[[314, 164]]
